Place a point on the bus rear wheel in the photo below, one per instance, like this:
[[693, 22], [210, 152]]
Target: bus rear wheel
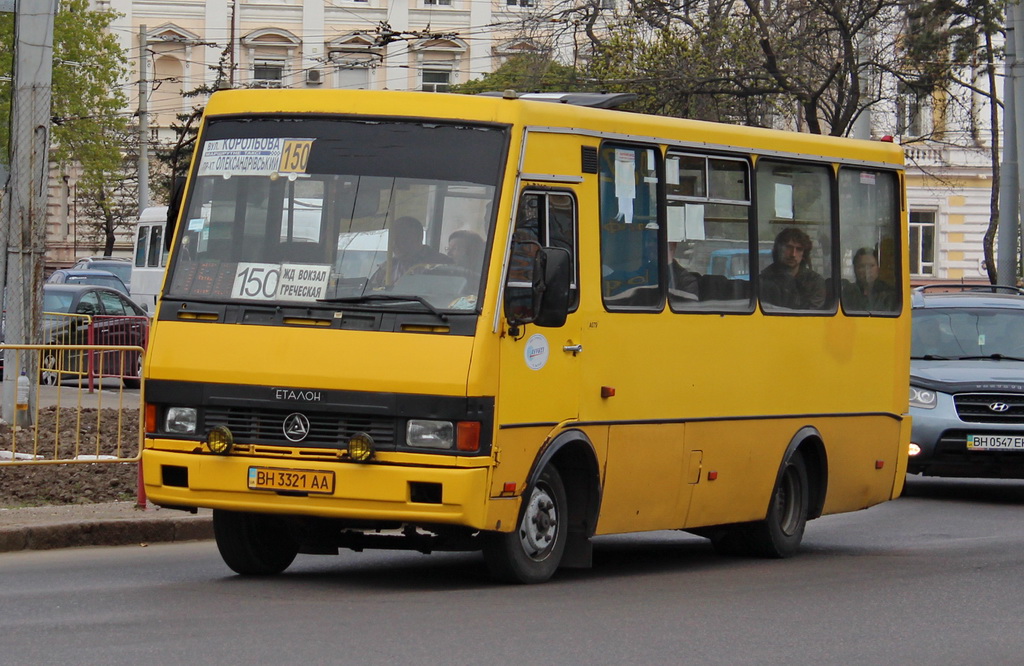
[[532, 553], [253, 544], [780, 533]]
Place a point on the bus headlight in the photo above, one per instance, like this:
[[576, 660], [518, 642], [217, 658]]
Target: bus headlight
[[180, 420], [922, 398], [425, 434]]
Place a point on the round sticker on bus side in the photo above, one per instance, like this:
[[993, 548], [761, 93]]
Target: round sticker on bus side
[[536, 352]]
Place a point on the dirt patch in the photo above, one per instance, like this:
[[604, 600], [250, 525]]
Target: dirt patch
[[65, 435]]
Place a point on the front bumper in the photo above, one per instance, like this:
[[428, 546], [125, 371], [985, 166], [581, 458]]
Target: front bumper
[[942, 437], [365, 492]]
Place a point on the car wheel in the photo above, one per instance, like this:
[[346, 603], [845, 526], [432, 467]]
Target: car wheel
[[532, 553], [136, 381], [48, 375], [253, 544]]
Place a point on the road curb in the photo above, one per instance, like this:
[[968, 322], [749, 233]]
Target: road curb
[[105, 533]]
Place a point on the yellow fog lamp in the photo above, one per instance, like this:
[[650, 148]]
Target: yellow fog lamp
[[360, 447], [220, 440]]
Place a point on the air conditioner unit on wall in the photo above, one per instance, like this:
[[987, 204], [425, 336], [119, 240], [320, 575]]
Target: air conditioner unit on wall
[[313, 77]]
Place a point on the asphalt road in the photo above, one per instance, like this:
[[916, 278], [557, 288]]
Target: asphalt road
[[935, 578]]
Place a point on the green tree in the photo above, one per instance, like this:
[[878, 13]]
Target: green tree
[[530, 72], [89, 125]]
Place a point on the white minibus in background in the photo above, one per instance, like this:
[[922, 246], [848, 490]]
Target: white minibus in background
[[150, 257]]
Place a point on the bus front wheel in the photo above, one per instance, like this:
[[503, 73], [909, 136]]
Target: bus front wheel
[[532, 553], [253, 544]]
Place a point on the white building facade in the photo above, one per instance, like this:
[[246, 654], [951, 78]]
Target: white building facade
[[433, 44]]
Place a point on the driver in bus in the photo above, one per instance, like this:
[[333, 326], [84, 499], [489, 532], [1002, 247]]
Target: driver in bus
[[406, 250], [789, 282]]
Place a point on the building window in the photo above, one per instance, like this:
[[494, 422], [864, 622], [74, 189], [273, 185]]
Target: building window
[[267, 73], [521, 3], [922, 242], [914, 110], [439, 3], [437, 80]]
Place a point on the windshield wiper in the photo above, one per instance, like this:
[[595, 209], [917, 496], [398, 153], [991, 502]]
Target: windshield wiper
[[994, 357], [932, 357], [387, 297]]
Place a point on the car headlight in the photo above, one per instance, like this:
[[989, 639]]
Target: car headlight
[[922, 398], [425, 434], [180, 420]]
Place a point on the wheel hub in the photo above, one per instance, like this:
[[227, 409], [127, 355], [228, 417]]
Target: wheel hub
[[540, 524]]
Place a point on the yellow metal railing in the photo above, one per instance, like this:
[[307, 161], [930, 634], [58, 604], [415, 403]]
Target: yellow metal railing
[[74, 417]]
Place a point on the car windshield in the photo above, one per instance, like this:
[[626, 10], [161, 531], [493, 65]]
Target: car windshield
[[968, 332], [104, 280], [57, 301], [309, 210], [121, 269]]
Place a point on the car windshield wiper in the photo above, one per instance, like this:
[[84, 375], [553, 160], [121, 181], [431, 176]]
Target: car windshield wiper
[[933, 357], [387, 297], [994, 357]]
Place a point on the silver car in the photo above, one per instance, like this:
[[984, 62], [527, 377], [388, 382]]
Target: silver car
[[967, 383]]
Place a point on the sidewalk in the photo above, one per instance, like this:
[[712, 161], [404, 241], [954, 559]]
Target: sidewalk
[[111, 524]]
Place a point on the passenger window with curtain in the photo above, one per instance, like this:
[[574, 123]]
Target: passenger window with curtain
[[794, 219], [630, 229], [869, 242], [708, 232]]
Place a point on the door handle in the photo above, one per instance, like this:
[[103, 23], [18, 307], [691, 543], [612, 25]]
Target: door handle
[[575, 349]]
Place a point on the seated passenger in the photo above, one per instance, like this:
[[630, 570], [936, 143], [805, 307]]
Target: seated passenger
[[466, 249], [868, 293], [789, 281], [405, 250]]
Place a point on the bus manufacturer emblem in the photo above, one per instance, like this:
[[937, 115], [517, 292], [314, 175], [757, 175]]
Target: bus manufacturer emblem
[[296, 427]]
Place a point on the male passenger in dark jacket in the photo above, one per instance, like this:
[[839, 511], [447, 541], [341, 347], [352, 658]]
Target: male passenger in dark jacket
[[789, 282]]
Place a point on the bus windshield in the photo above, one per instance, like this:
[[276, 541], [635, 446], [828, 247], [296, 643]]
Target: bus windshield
[[307, 210]]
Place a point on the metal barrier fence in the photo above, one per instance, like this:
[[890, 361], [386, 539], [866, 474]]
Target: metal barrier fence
[[65, 334], [68, 421]]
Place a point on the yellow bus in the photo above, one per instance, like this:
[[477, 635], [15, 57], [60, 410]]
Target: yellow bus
[[440, 322]]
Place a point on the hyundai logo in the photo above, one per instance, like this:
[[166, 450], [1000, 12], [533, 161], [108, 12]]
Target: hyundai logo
[[999, 407], [296, 427]]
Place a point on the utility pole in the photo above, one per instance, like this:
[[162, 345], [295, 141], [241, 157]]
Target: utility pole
[[1006, 236], [143, 120], [1011, 177], [25, 202]]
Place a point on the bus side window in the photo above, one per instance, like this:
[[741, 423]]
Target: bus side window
[[155, 248], [630, 230], [140, 248]]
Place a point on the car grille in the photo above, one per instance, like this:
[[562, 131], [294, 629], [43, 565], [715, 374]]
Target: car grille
[[978, 407], [326, 429]]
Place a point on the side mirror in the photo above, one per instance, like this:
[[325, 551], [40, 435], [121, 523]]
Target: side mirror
[[537, 290], [173, 209]]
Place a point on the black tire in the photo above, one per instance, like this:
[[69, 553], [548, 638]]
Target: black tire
[[136, 381], [48, 375], [532, 553], [253, 544], [780, 533]]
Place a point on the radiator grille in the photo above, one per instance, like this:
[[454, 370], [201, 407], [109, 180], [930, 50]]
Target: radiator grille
[[988, 407], [326, 429]]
